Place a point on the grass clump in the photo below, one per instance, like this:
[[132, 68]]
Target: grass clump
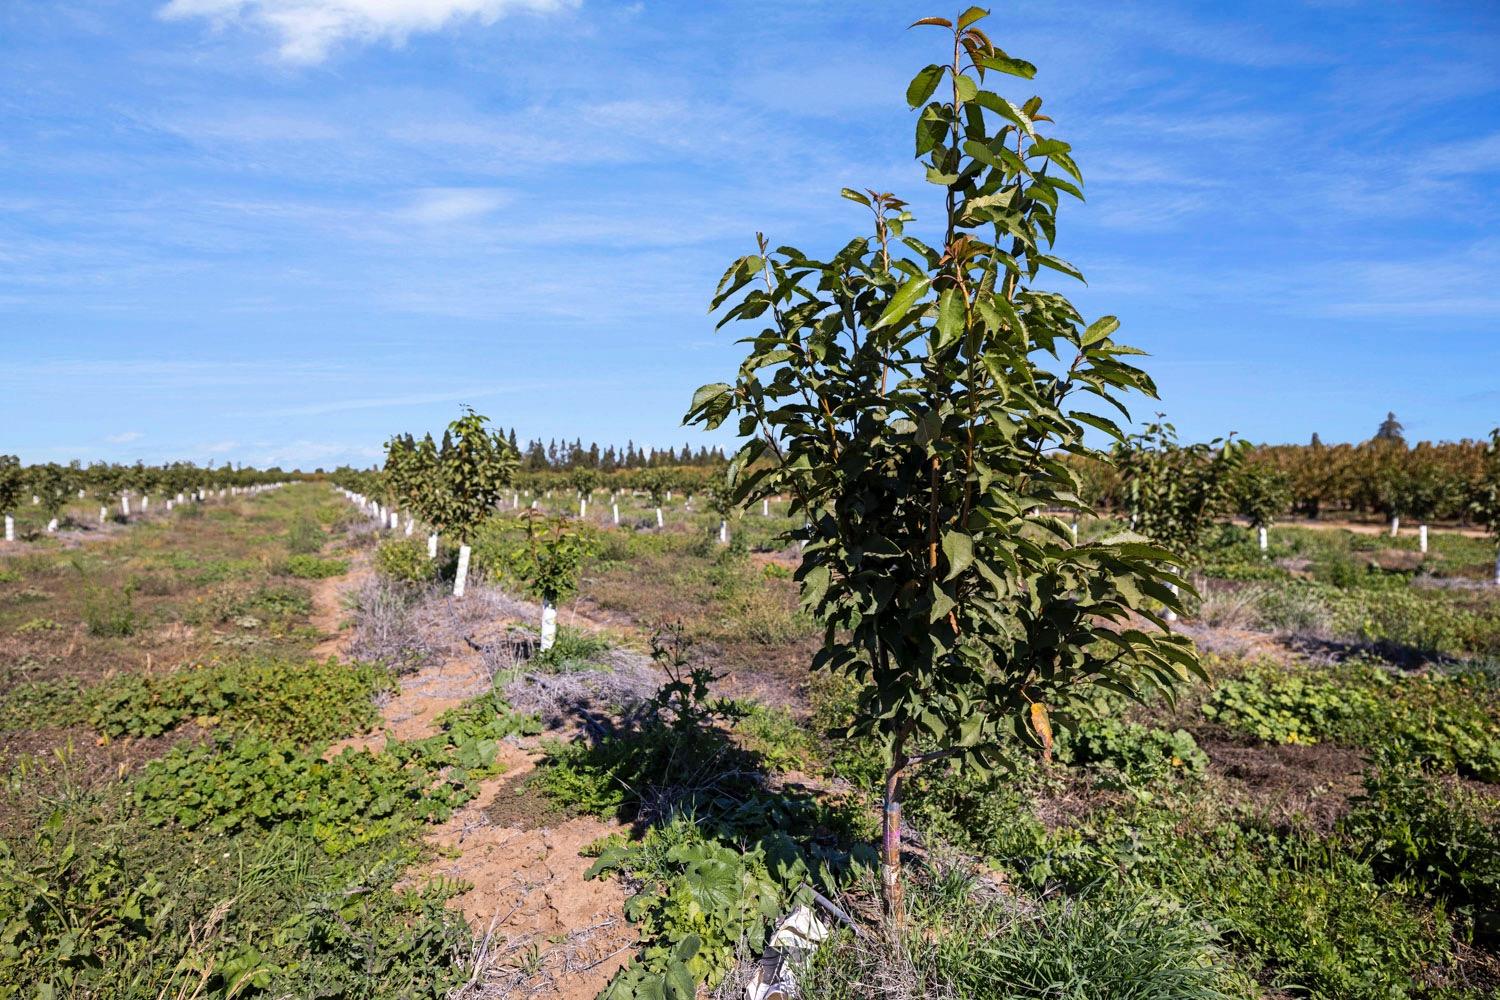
[[311, 567], [966, 939]]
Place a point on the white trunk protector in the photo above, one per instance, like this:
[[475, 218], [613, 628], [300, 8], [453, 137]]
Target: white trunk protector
[[549, 625], [463, 571], [432, 546], [1264, 542], [10, 528], [1422, 538]]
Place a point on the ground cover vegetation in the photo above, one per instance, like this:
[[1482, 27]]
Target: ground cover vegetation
[[1012, 713]]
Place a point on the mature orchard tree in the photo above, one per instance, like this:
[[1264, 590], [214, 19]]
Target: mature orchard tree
[[12, 485], [918, 403], [475, 467], [1485, 505]]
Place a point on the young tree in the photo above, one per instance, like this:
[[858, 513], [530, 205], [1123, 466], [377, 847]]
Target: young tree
[[549, 564], [584, 481], [1485, 505], [1261, 494], [105, 484], [51, 484], [12, 484], [1173, 492], [475, 467], [916, 402], [657, 483]]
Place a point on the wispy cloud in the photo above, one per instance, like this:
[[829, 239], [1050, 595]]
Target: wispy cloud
[[307, 30], [124, 438], [434, 206]]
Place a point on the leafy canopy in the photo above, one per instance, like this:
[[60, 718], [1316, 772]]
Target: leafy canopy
[[918, 402]]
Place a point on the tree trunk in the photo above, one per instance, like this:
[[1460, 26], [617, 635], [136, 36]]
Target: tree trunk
[[463, 571], [892, 890]]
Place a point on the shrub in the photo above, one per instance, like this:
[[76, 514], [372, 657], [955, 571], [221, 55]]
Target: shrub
[[405, 560]]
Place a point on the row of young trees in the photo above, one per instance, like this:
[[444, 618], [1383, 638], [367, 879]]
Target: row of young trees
[[456, 485], [51, 486]]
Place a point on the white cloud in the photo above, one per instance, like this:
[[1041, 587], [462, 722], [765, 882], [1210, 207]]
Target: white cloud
[[308, 29], [435, 206], [124, 438]]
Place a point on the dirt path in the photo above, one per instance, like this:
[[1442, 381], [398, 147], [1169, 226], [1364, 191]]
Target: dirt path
[[543, 931]]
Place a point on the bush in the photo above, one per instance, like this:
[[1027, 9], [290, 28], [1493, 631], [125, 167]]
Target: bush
[[307, 567], [404, 560]]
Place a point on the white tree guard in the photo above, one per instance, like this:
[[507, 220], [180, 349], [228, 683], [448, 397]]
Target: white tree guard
[[395, 520], [410, 525], [52, 524], [103, 514], [145, 504], [1264, 542], [432, 545], [169, 503], [1395, 525], [723, 532], [1422, 538], [549, 625], [1171, 615], [583, 508], [125, 506], [660, 523], [765, 508], [10, 528], [614, 510], [463, 571]]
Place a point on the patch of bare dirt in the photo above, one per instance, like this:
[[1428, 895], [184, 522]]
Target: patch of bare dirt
[[544, 931], [1291, 784]]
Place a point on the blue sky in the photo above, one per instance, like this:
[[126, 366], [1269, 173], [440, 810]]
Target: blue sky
[[279, 230]]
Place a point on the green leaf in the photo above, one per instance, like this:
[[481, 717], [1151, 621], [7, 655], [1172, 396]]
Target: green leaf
[[971, 15], [958, 549], [1100, 330], [967, 88], [1005, 64], [903, 300], [922, 85], [950, 318], [854, 195]]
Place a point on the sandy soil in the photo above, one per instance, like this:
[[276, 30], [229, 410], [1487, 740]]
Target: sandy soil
[[543, 931]]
